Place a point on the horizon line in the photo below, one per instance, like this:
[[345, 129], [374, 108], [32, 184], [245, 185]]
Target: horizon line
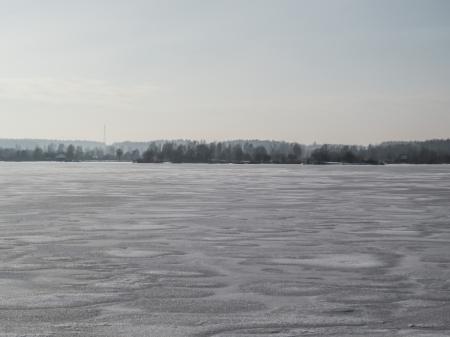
[[217, 141]]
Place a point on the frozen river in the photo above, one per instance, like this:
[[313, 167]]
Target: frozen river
[[119, 249]]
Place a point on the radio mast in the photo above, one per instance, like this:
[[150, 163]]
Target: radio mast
[[104, 135]]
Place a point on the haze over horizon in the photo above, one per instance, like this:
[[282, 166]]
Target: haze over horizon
[[351, 71]]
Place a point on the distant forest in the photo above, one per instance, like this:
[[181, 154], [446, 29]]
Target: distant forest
[[237, 151]]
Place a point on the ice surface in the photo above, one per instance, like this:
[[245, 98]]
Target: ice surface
[[334, 261], [118, 249]]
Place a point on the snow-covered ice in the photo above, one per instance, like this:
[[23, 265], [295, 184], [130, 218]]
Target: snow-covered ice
[[120, 249]]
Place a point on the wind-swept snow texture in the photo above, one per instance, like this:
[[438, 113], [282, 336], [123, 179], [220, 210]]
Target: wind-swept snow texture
[[117, 249]]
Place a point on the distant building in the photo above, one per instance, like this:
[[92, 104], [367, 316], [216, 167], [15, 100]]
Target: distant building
[[60, 157]]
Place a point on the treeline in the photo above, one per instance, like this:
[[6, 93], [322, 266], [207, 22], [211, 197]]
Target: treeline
[[425, 152], [62, 152], [276, 152], [226, 152], [30, 143]]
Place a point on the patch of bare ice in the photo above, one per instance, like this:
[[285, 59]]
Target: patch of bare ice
[[334, 261], [126, 252]]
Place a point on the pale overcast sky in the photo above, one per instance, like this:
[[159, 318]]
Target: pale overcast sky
[[342, 71]]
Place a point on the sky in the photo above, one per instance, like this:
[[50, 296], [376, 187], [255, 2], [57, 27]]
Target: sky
[[336, 71]]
